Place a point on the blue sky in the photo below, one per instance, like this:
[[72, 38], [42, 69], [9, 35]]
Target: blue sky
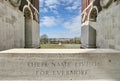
[[60, 18]]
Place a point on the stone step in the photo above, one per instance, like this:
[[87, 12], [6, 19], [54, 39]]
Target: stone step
[[60, 64]]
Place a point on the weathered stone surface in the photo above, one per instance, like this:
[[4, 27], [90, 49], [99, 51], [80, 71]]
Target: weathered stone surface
[[15, 3], [35, 34], [105, 3], [106, 23], [108, 28], [11, 27], [31, 29], [88, 36], [64, 64], [15, 25]]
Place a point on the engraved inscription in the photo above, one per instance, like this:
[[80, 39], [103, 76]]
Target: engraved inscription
[[62, 72], [80, 63], [90, 67], [61, 67]]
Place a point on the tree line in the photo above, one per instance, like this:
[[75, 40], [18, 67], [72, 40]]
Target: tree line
[[44, 39]]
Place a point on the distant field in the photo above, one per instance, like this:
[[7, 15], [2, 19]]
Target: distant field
[[71, 45], [63, 46]]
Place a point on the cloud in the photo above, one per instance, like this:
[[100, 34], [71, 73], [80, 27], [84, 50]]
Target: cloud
[[70, 28], [55, 12], [63, 35], [67, 2], [52, 4], [44, 10], [75, 5], [48, 21], [74, 25], [41, 3]]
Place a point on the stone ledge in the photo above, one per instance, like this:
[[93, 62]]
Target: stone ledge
[[60, 64], [60, 51]]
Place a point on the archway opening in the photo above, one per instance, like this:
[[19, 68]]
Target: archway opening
[[60, 25]]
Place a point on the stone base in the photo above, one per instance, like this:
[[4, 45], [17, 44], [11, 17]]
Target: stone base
[[88, 36], [60, 64]]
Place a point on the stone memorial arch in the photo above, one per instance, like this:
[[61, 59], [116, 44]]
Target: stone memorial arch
[[19, 24], [101, 16], [60, 64]]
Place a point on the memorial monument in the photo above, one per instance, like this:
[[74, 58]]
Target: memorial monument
[[19, 29]]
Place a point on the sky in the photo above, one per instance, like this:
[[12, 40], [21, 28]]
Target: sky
[[60, 18]]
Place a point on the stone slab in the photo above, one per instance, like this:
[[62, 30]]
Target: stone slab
[[60, 64]]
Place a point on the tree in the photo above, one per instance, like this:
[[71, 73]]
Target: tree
[[77, 40], [44, 39]]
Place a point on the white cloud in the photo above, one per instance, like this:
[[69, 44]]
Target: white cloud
[[55, 12], [44, 10], [75, 5], [63, 35], [48, 21], [74, 25], [66, 2], [49, 4], [52, 4], [41, 3]]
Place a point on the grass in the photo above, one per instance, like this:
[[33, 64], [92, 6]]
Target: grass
[[63, 46], [52, 46]]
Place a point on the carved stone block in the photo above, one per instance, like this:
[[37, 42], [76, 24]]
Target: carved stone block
[[60, 64]]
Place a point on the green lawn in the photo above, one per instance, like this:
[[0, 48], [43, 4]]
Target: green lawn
[[63, 46], [52, 46]]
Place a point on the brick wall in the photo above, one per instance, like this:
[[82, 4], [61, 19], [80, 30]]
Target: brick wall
[[85, 3]]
